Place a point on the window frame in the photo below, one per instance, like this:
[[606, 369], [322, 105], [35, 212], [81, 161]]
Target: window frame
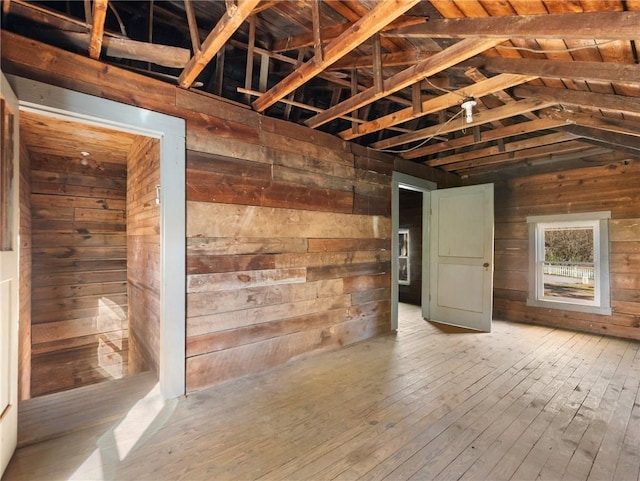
[[599, 221], [407, 281]]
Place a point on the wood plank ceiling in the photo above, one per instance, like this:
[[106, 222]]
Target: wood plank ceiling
[[552, 84]]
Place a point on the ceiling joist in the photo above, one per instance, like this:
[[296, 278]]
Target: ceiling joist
[[383, 13], [585, 25], [228, 24], [453, 55], [442, 102], [498, 113]]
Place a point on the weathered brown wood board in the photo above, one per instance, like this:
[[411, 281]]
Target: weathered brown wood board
[[614, 187], [143, 255]]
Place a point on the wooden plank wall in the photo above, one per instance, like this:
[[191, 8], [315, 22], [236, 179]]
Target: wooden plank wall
[[288, 228], [143, 255], [79, 297], [288, 249], [614, 187], [24, 348]]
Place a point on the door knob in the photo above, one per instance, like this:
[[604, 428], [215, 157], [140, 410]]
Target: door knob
[[486, 264]]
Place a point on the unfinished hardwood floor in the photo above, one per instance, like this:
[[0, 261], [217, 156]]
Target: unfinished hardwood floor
[[430, 402]]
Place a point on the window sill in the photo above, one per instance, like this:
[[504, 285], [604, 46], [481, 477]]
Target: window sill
[[567, 306]]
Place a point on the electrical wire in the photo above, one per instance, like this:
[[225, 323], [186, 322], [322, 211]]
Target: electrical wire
[[443, 89], [560, 50], [391, 151]]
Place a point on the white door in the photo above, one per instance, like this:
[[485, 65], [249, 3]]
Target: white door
[[461, 255], [9, 213]]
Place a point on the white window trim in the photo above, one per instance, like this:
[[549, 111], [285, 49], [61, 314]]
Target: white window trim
[[600, 222]]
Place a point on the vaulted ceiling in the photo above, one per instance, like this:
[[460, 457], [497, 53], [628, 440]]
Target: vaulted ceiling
[[551, 84]]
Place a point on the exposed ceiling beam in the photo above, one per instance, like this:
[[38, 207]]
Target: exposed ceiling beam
[[498, 113], [308, 107], [382, 14], [614, 103], [439, 62], [331, 32], [610, 124], [477, 76], [165, 55], [45, 16], [97, 27], [194, 33], [546, 166], [582, 25], [395, 59], [506, 148], [546, 151], [495, 134], [613, 139], [560, 69], [329, 76], [77, 32], [228, 24], [441, 102]]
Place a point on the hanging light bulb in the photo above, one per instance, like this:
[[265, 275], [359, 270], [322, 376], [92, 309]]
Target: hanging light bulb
[[467, 106]]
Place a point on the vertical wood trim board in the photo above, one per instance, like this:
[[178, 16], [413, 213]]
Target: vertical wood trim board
[[24, 349]]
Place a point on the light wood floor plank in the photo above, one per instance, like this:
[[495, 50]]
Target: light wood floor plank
[[523, 402]]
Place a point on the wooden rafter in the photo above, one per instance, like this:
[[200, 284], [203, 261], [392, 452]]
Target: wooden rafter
[[614, 103], [383, 13], [97, 27], [331, 32], [310, 108], [504, 148], [317, 32], [477, 76], [440, 61], [193, 26], [495, 134], [610, 124], [228, 24], [583, 25], [545, 151], [614, 140], [576, 71], [395, 59], [326, 75], [498, 113], [539, 160], [442, 102]]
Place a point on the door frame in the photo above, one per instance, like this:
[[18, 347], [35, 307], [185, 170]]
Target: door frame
[[409, 182], [170, 131]]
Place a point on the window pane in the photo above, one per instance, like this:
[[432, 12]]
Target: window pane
[[568, 263]]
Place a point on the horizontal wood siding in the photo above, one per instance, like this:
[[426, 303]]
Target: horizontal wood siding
[[79, 309], [143, 255], [275, 238], [288, 228], [614, 187]]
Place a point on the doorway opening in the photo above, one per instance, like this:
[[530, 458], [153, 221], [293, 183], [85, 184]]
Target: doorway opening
[[159, 267], [410, 193], [95, 266]]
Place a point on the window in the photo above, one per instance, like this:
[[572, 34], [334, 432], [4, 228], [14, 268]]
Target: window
[[569, 262], [403, 257]]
